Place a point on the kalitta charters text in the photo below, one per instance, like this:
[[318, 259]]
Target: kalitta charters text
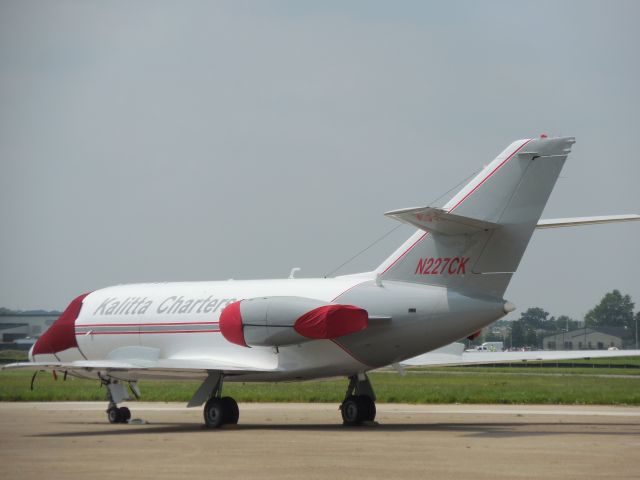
[[171, 305]]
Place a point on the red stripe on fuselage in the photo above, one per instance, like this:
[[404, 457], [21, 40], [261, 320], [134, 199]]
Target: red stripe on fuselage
[[154, 324], [145, 333], [347, 290]]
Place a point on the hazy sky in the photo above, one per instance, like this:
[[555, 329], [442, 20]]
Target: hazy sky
[[154, 141]]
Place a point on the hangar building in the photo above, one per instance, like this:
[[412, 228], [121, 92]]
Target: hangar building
[[585, 339]]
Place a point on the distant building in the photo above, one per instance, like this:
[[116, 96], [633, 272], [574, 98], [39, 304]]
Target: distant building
[[13, 327], [13, 331], [585, 339]]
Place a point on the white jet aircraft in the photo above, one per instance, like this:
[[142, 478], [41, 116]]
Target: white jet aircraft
[[444, 283]]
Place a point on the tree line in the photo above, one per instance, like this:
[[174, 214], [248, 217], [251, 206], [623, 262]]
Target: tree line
[[614, 310], [7, 312]]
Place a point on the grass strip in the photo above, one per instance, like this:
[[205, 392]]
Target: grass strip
[[424, 386]]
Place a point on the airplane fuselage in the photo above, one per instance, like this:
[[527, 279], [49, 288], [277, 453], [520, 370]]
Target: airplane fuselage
[[179, 321]]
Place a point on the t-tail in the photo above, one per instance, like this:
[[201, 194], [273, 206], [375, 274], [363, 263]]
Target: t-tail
[[475, 242]]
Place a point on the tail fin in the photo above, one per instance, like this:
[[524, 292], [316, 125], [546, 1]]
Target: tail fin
[[477, 249]]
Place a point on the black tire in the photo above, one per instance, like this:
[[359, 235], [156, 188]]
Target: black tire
[[368, 407], [214, 415], [113, 415], [125, 414], [230, 410], [351, 410]]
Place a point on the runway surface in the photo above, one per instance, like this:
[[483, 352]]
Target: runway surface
[[73, 440]]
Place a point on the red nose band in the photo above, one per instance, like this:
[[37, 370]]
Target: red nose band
[[61, 335]]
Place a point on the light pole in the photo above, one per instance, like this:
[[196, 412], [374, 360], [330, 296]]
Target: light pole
[[637, 331]]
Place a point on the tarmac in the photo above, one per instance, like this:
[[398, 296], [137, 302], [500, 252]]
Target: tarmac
[[69, 440]]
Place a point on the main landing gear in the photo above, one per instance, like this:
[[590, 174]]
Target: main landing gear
[[359, 405], [218, 410]]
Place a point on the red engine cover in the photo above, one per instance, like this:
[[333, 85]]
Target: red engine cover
[[332, 321], [231, 324]]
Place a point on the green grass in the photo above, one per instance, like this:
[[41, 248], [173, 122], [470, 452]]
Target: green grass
[[14, 355], [423, 386], [547, 371]]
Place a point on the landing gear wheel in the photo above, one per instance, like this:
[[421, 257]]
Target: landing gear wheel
[[359, 403], [118, 415], [357, 409], [351, 410], [113, 414], [230, 410], [214, 415], [368, 407], [125, 414]]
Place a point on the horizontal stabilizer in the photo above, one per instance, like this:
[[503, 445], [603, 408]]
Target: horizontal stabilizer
[[440, 221], [580, 221]]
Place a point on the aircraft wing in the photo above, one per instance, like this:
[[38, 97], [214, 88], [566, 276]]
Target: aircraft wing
[[454, 354], [441, 221], [580, 221], [137, 368]]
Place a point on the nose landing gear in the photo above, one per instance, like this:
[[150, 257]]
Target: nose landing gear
[[117, 414], [116, 392]]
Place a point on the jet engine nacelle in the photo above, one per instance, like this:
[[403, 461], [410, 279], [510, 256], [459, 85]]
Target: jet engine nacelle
[[282, 321]]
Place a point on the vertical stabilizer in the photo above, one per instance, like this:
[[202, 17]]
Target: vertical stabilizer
[[486, 226]]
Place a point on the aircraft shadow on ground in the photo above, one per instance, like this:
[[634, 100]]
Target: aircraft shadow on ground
[[490, 430]]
